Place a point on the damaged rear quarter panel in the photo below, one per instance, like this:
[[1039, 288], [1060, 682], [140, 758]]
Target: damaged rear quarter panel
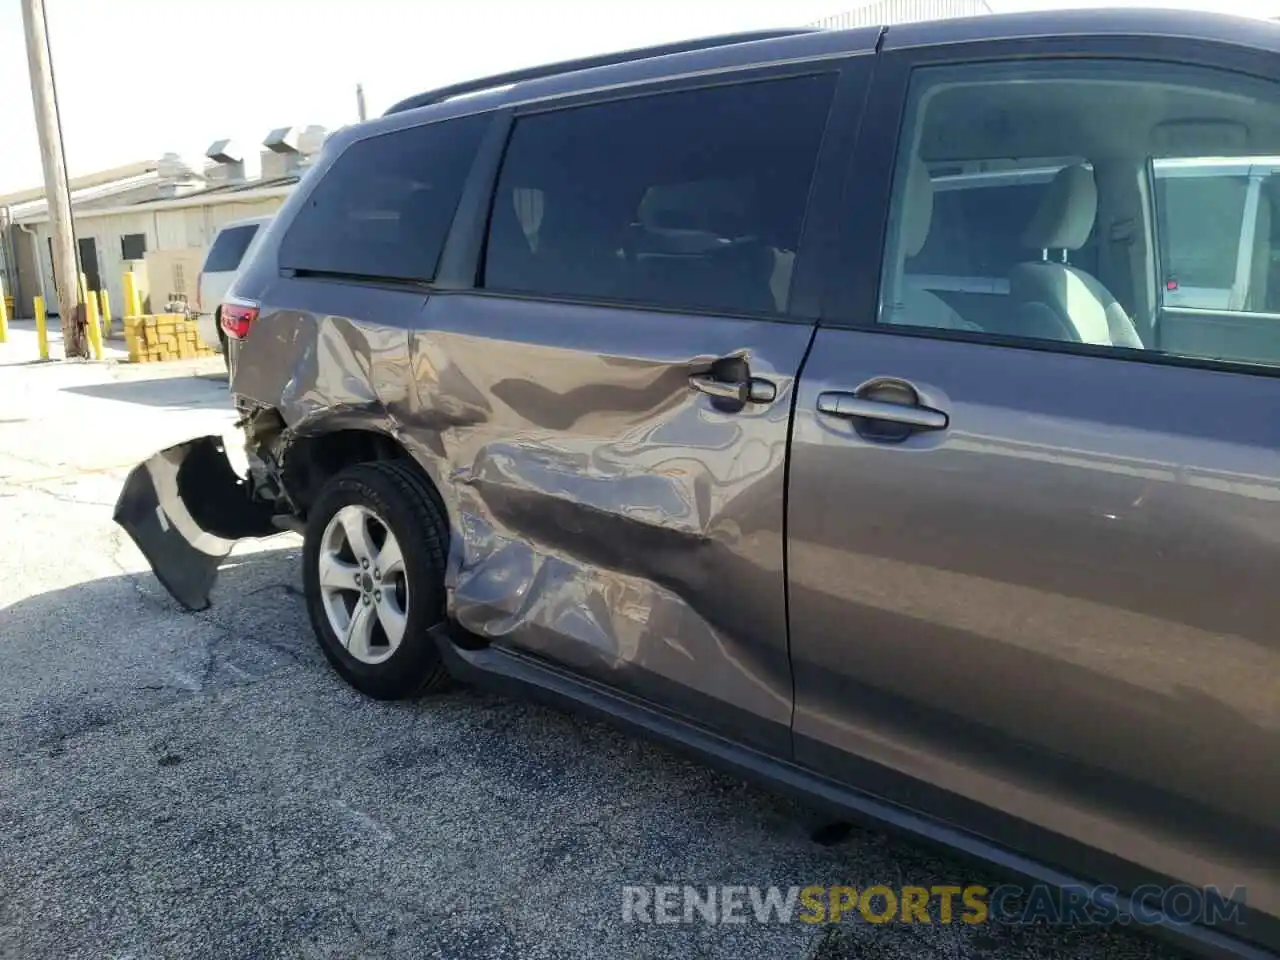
[[337, 351], [604, 516]]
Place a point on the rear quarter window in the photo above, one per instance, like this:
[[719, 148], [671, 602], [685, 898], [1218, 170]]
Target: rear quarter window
[[228, 249], [383, 210]]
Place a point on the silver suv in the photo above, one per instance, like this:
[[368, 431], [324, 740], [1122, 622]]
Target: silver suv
[[623, 382]]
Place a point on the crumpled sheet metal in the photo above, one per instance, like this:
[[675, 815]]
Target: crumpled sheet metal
[[604, 516]]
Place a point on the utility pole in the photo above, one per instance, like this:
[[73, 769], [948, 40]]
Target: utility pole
[[360, 111], [57, 196]]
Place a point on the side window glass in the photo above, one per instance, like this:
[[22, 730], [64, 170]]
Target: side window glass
[[385, 206], [689, 200], [1013, 210]]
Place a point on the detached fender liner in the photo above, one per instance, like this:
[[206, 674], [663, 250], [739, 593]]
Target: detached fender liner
[[185, 508]]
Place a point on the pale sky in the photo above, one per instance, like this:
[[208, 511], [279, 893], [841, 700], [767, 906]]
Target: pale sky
[[137, 78]]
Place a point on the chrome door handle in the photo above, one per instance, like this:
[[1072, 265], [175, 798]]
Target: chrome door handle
[[722, 389], [852, 407], [751, 390]]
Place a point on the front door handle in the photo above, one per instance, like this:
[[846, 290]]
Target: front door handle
[[852, 407], [748, 390]]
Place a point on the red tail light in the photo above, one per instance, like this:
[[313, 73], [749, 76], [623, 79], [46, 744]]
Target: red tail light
[[237, 317]]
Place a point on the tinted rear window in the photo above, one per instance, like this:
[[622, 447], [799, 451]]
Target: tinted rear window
[[384, 208], [228, 249], [691, 200]]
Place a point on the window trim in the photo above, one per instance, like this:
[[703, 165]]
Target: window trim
[[852, 297], [851, 74], [727, 77]]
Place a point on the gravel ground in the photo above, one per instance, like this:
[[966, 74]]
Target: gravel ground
[[179, 785]]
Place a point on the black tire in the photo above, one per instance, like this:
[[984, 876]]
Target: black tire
[[406, 503]]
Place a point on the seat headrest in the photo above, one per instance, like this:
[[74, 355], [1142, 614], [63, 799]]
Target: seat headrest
[[1066, 214], [917, 212]]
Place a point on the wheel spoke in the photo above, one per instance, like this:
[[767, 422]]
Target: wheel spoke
[[360, 631], [354, 525], [389, 561], [393, 620], [336, 574]]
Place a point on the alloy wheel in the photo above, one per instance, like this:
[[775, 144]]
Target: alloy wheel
[[363, 586]]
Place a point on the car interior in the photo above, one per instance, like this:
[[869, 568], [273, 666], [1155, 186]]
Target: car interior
[[1117, 122]]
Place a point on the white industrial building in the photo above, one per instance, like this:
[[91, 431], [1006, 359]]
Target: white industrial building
[[155, 218]]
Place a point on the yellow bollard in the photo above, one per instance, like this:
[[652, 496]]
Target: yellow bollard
[[42, 332], [105, 297], [4, 316], [84, 288], [132, 303], [91, 323]]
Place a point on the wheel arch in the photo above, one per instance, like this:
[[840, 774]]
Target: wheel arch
[[312, 459]]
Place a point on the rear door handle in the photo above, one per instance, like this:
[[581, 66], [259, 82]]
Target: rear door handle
[[749, 390], [850, 406]]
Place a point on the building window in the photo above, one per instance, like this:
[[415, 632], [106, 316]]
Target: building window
[[133, 246]]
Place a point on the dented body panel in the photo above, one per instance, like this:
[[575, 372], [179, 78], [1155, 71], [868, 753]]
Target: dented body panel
[[607, 517], [604, 516]]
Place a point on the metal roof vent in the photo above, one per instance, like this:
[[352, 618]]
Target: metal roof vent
[[312, 139], [283, 140], [225, 151], [227, 164]]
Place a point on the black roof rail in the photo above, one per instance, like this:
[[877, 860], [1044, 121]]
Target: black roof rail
[[587, 63]]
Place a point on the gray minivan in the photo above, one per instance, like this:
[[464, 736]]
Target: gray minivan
[[622, 382]]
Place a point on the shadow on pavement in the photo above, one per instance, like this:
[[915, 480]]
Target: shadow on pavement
[[89, 655], [181, 392], [227, 794]]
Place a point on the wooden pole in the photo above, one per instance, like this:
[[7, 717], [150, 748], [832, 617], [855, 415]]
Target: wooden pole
[[58, 197]]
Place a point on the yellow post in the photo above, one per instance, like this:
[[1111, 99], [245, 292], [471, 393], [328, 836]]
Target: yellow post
[[84, 289], [132, 303], [105, 296], [4, 315], [42, 332], [94, 331]]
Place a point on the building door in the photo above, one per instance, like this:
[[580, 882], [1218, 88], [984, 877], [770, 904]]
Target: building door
[[88, 247]]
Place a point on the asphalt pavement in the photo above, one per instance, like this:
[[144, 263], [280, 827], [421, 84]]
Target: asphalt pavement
[[203, 785]]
